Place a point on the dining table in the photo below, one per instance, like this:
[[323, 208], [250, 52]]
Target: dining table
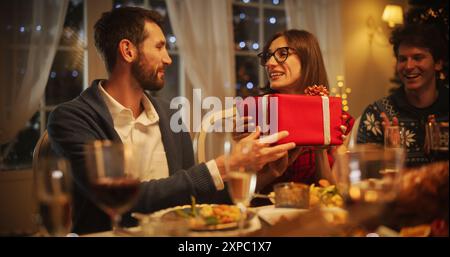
[[419, 209]]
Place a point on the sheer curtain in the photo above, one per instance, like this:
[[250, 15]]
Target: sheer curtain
[[204, 32], [28, 46], [323, 19]]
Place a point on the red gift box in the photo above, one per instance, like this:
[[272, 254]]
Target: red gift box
[[310, 120]]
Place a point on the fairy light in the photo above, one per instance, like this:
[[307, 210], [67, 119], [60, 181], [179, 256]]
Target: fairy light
[[340, 90], [272, 20]]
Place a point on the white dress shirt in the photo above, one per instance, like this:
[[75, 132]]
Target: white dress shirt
[[144, 131]]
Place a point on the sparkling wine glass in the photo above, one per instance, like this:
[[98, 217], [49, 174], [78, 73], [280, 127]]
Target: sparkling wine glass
[[394, 137], [113, 178], [437, 140], [241, 180], [52, 184]]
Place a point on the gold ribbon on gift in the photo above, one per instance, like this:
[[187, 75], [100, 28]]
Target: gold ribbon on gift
[[326, 120]]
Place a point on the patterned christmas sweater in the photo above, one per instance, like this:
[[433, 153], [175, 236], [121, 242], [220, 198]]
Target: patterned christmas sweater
[[411, 119]]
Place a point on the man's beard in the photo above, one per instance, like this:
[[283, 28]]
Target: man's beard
[[148, 80]]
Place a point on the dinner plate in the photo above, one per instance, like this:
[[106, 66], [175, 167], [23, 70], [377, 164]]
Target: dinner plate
[[186, 212], [272, 214]]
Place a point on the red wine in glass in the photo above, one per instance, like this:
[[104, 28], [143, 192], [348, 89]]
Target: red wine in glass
[[116, 195], [114, 177]]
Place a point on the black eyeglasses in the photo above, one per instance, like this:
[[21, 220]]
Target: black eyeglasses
[[281, 54]]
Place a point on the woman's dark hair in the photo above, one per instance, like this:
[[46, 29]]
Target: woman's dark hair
[[306, 46], [122, 23]]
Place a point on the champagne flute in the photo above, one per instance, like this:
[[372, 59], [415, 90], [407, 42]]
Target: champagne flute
[[437, 140], [52, 184], [241, 180], [394, 137], [113, 178]]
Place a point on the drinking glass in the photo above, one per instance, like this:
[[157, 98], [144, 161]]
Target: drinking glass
[[113, 177], [241, 180], [394, 137], [437, 140], [52, 184], [369, 173], [291, 195]]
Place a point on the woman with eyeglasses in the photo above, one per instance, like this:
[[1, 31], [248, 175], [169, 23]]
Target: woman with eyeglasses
[[293, 61]]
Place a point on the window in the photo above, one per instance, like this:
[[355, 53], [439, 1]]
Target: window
[[254, 21], [66, 81]]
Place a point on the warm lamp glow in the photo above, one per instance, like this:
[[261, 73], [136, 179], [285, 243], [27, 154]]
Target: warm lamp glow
[[393, 14]]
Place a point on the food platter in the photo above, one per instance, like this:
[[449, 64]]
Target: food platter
[[207, 217]]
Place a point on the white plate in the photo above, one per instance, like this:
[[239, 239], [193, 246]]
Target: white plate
[[185, 210], [272, 215], [254, 225]]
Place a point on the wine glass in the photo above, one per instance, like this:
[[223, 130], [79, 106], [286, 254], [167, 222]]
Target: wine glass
[[368, 176], [113, 178], [369, 173], [437, 140], [52, 184], [241, 180]]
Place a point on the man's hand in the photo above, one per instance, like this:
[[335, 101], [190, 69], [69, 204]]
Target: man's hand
[[242, 130], [386, 123], [251, 154]]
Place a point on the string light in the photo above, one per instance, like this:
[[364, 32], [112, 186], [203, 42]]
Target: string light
[[272, 20], [341, 91]]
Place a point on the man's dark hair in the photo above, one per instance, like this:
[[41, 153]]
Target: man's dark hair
[[421, 35], [122, 23]]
